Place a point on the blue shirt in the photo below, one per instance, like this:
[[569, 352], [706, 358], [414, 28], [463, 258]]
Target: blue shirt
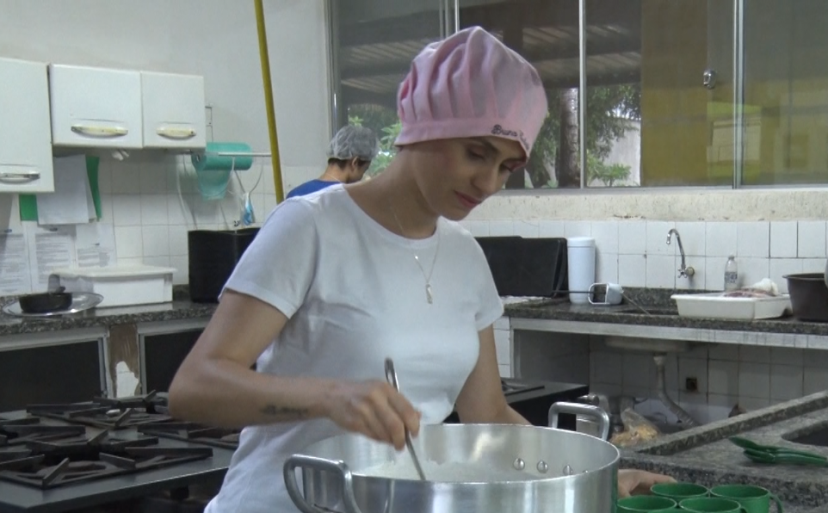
[[310, 187]]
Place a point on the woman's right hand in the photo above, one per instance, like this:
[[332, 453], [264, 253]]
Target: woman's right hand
[[375, 409]]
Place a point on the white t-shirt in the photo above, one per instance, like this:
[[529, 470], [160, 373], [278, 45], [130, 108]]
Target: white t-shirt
[[354, 295]]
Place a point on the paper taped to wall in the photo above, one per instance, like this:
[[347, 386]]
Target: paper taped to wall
[[72, 201], [95, 245], [49, 248], [14, 265]]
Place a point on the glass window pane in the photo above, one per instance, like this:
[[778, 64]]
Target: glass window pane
[[546, 34], [613, 68], [374, 42], [650, 119], [786, 92]]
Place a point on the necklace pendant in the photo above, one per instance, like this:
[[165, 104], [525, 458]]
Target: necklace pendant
[[429, 295]]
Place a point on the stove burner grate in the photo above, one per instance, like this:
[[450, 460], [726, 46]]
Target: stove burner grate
[[107, 413], [50, 464], [193, 432]]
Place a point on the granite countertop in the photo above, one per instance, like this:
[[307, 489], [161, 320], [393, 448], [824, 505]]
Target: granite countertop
[[704, 454], [656, 301], [181, 308], [664, 314]]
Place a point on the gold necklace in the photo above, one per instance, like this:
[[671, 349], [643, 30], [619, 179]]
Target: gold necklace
[[427, 277]]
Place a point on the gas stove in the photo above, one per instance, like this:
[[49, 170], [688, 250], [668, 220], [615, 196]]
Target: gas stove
[[45, 459], [61, 457], [148, 414], [512, 386], [532, 399]]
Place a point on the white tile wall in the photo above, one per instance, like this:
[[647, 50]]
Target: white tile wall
[[780, 267], [152, 209], [606, 236], [632, 238], [714, 272], [501, 228], [547, 228], [635, 252], [661, 271], [607, 267], [811, 240], [693, 237], [578, 229], [699, 280], [140, 195], [753, 239], [657, 238], [632, 270], [727, 375], [721, 239], [524, 228], [813, 265], [783, 241]]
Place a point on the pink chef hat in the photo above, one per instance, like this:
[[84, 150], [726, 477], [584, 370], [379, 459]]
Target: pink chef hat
[[471, 85]]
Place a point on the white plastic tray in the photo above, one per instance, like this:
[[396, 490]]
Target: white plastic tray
[[120, 286], [716, 306]]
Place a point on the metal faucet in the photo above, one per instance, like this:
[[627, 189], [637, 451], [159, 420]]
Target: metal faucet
[[684, 271]]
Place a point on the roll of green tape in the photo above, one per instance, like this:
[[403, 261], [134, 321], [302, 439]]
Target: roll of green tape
[[210, 160], [213, 169]]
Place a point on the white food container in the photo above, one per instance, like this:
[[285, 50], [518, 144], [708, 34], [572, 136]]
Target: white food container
[[120, 286], [717, 306]]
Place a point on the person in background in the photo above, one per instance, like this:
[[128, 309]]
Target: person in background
[[351, 152], [336, 282]]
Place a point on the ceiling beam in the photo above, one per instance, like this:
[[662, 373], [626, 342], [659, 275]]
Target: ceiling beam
[[354, 96], [411, 27], [551, 53], [625, 77]]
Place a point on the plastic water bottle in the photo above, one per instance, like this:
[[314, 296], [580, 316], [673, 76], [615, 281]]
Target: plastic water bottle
[[731, 274]]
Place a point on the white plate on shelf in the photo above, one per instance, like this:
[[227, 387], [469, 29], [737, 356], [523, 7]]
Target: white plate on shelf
[[716, 306], [80, 301]]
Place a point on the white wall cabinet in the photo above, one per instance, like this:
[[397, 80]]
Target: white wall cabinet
[[95, 107], [25, 132], [173, 110]]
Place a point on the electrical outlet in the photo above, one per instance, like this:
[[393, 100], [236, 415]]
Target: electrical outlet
[[691, 384]]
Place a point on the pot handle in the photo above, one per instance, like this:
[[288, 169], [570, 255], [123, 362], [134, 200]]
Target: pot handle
[[323, 465], [586, 410]]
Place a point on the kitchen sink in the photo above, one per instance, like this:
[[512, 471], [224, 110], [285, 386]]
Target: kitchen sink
[[817, 438]]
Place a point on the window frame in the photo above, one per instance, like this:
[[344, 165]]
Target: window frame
[[449, 11]]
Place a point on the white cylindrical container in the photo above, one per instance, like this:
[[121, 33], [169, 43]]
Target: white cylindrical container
[[581, 268]]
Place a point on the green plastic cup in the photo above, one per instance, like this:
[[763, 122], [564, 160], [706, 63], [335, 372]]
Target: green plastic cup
[[754, 499], [679, 491], [647, 503], [711, 505]]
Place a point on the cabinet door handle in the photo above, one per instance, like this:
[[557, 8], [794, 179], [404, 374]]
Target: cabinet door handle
[[104, 132], [23, 176], [175, 133]]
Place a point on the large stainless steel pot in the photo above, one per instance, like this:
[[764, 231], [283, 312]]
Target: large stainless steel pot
[[563, 471]]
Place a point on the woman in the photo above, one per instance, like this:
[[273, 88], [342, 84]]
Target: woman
[[339, 280]]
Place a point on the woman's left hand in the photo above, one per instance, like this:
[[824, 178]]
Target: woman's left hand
[[638, 482]]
